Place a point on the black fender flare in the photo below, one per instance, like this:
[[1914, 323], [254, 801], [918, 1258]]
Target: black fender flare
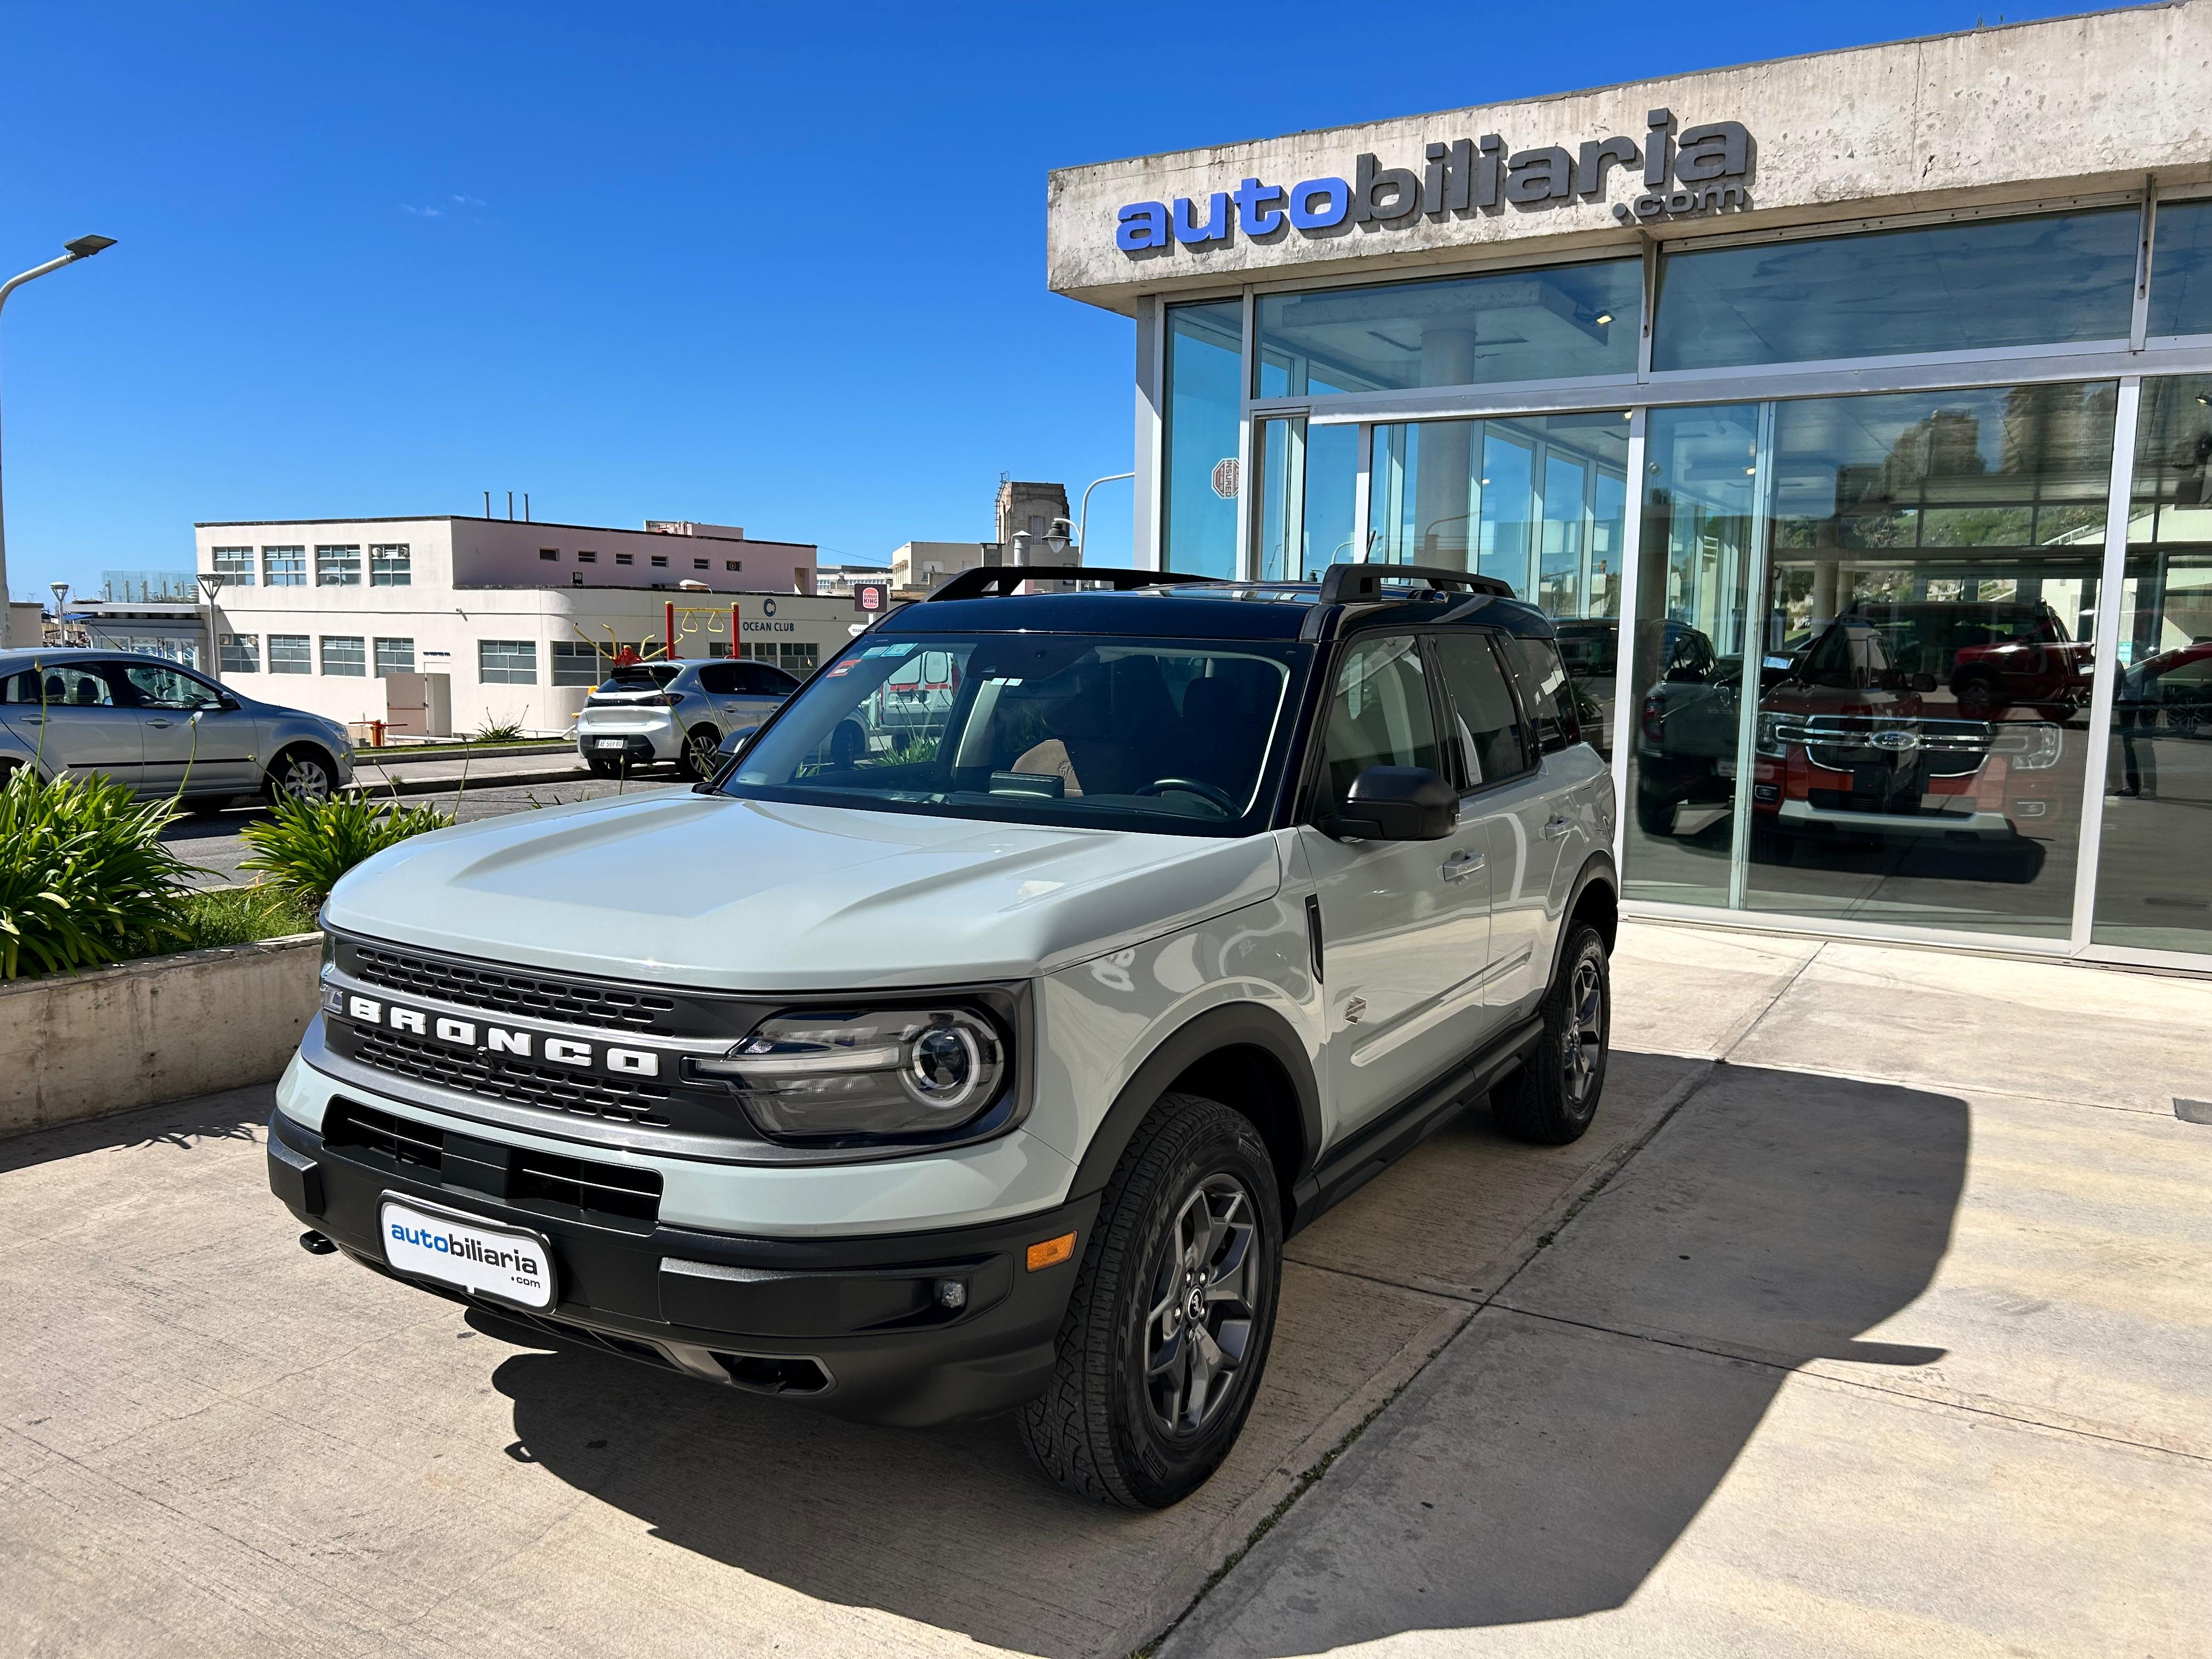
[[1239, 1024], [1597, 871]]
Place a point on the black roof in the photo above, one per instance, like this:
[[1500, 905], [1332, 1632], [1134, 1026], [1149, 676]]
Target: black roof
[[1179, 608]]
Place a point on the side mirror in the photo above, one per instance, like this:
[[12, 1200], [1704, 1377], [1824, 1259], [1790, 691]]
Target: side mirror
[[1395, 803], [737, 742]]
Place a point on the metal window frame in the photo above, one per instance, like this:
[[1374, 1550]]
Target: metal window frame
[[2089, 843]]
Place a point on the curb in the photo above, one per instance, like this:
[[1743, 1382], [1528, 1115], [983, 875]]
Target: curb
[[479, 781]]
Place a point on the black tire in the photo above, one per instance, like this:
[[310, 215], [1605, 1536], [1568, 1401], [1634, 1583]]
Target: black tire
[[294, 772], [207, 806], [1655, 812], [696, 759], [1978, 696], [1116, 1424], [604, 769], [1554, 1095]]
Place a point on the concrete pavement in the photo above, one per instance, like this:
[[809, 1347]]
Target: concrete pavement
[[1789, 1354]]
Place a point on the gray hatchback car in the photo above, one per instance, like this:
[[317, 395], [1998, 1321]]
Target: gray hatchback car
[[161, 729]]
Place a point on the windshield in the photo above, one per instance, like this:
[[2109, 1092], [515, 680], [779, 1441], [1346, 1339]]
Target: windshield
[[1173, 736]]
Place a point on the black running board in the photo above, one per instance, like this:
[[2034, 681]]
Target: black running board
[[1404, 1127]]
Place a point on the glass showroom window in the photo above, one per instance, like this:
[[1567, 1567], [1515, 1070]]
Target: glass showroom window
[[337, 566], [240, 653], [1553, 323], [1205, 347], [2181, 271], [1309, 477], [289, 654], [344, 656], [284, 567], [235, 565], [391, 565], [2154, 861], [506, 662], [1868, 612], [1988, 285], [394, 657], [575, 662]]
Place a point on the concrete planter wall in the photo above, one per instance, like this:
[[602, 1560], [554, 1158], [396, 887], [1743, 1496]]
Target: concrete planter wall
[[79, 1045]]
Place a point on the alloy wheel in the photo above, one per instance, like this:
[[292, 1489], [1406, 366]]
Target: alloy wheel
[[1203, 1307], [303, 779], [1584, 1041]]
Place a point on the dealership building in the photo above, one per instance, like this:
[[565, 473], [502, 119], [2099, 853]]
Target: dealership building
[[1851, 415], [444, 625]]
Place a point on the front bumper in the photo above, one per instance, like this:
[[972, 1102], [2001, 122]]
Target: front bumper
[[852, 1325]]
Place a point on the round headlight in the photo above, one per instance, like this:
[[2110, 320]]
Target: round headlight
[[871, 1072], [944, 1065]]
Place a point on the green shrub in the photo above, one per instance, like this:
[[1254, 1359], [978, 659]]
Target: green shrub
[[494, 730], [304, 846], [239, 915], [84, 877]]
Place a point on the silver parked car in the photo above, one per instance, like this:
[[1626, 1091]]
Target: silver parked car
[[161, 730], [676, 711]]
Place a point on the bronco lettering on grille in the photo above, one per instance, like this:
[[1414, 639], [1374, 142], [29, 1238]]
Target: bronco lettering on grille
[[487, 1039]]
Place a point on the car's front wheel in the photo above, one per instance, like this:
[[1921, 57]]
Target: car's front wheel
[[301, 775], [1166, 1333], [1553, 1098], [697, 757]]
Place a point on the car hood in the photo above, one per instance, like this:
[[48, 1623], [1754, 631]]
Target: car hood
[[684, 889]]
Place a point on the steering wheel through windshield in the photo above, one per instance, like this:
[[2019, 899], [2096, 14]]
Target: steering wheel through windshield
[[1220, 799]]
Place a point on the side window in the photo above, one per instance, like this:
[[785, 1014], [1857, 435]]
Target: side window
[[157, 687], [718, 679], [770, 681], [62, 685], [1546, 691], [1486, 727], [1378, 715]]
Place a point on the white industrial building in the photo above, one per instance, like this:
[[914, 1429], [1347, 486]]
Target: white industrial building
[[444, 624]]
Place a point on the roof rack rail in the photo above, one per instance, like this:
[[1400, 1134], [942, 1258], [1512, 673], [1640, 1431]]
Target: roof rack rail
[[1349, 584], [998, 580]]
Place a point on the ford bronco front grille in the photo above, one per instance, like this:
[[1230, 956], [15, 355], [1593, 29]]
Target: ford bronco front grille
[[504, 990], [504, 1078]]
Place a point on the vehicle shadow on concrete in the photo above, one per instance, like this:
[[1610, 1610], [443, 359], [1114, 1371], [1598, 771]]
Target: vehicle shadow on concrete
[[1545, 1462], [1776, 1217]]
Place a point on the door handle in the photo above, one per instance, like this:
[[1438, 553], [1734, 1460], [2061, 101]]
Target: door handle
[[1557, 825], [1460, 866], [163, 724]]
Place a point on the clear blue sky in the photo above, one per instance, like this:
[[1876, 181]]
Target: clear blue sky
[[377, 259]]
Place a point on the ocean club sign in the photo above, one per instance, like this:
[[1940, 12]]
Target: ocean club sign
[[1703, 169]]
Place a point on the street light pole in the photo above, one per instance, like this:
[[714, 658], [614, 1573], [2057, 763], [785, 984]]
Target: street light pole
[[83, 248], [210, 582], [1082, 513]]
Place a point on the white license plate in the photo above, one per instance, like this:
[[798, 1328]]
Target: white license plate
[[608, 742], [504, 1262], [1728, 768]]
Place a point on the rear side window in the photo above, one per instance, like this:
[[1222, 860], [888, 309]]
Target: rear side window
[[767, 682], [718, 679], [1488, 734], [60, 685], [1546, 691]]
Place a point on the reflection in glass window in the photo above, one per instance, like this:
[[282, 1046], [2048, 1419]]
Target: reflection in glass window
[[2154, 866], [2045, 279], [235, 565], [1380, 716], [284, 567], [1556, 322], [240, 653], [391, 565], [1308, 477], [576, 662], [288, 654], [2181, 270], [1925, 677], [1535, 501], [1204, 346], [1701, 511]]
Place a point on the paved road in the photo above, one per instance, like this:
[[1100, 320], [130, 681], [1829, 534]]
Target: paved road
[[1873, 1317], [212, 844]]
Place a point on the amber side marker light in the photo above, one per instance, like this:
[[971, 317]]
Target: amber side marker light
[[1052, 1252]]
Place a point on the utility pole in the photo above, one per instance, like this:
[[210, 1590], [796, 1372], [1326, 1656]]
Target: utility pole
[[83, 248]]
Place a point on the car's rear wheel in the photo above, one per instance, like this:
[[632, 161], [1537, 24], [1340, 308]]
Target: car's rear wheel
[[1166, 1335], [1654, 812], [697, 757], [1552, 1099], [301, 775]]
